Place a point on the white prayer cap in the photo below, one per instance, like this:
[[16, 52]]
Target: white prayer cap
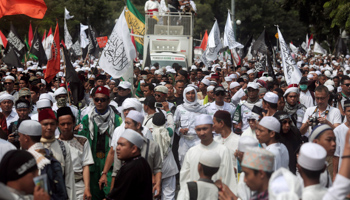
[[270, 79], [250, 71], [234, 84], [284, 185], [210, 159], [8, 73], [91, 76], [312, 157], [205, 82], [59, 91], [210, 88], [153, 67], [193, 67], [330, 88], [264, 78], [310, 76], [271, 123], [132, 103], [44, 103], [168, 67], [271, 97], [328, 74], [291, 89], [253, 85], [133, 137], [136, 116], [329, 82], [46, 96], [233, 76], [336, 64], [20, 69], [162, 89], [158, 72], [227, 78], [259, 159], [247, 142], [30, 127], [43, 81], [203, 119], [125, 84], [60, 74], [318, 73], [146, 68], [4, 96], [9, 77], [318, 130]]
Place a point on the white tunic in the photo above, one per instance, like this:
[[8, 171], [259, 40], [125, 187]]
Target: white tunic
[[306, 99], [13, 116], [281, 155], [189, 170], [340, 134], [5, 147], [205, 191], [314, 192], [243, 190], [212, 108], [249, 132], [231, 142], [339, 190]]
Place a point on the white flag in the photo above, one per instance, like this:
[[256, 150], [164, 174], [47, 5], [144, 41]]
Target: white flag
[[319, 49], [304, 46], [293, 48], [214, 43], [66, 14], [292, 73], [47, 45], [67, 36], [84, 40], [229, 35], [116, 58]]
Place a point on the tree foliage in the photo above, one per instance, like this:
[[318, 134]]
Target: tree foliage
[[339, 12]]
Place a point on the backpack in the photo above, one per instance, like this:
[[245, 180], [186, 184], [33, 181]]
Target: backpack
[[56, 182]]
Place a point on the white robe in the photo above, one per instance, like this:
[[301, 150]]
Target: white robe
[[281, 155], [205, 191], [243, 190], [314, 192], [189, 170], [231, 142]]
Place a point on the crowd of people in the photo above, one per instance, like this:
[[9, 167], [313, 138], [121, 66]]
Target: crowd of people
[[203, 132]]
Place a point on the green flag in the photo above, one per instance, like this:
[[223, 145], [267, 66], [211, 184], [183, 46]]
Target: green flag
[[136, 22]]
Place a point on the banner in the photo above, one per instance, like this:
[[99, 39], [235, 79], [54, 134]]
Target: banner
[[32, 8], [53, 64], [229, 35], [292, 73], [67, 37], [319, 49], [38, 50], [102, 41], [15, 41], [204, 41], [116, 58], [84, 40], [214, 43]]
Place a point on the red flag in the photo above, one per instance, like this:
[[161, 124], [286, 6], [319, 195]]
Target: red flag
[[32, 8], [204, 41], [53, 65], [3, 39], [62, 42], [44, 37], [30, 35], [309, 42]]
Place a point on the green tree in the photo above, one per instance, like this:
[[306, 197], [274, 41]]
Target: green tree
[[339, 12]]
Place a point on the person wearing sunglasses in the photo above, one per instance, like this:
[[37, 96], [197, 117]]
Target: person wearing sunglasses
[[290, 137], [219, 103], [98, 127], [345, 92], [160, 94], [9, 84]]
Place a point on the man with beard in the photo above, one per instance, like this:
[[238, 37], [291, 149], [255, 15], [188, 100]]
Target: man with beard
[[295, 110]]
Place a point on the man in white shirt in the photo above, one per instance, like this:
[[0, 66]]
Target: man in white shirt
[[269, 103], [267, 133], [9, 84], [311, 163], [324, 113], [305, 97], [6, 104], [219, 103], [189, 170]]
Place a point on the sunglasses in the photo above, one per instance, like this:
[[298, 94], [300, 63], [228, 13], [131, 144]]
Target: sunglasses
[[220, 93], [157, 95], [102, 100], [122, 89], [27, 96], [251, 120], [7, 83], [286, 122], [347, 85]]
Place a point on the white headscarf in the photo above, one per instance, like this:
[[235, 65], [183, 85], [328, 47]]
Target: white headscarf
[[191, 106]]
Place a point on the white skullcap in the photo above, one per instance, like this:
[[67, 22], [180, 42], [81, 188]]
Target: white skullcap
[[133, 137], [329, 82], [250, 71], [132, 103], [136, 116], [234, 84], [210, 88], [318, 73], [271, 97], [330, 88], [328, 74], [270, 79], [271, 123], [20, 69], [247, 142], [227, 78], [59, 91], [210, 159], [284, 185], [5, 96], [43, 81], [312, 157], [153, 67], [46, 96], [10, 78], [30, 127], [233, 76], [125, 85], [203, 119], [60, 73], [146, 68], [253, 85], [291, 89], [318, 130], [193, 67], [44, 103], [310, 76], [168, 67], [205, 82]]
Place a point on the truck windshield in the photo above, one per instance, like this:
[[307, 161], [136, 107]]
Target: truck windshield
[[164, 63]]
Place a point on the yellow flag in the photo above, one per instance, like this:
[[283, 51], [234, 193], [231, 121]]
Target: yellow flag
[[276, 35]]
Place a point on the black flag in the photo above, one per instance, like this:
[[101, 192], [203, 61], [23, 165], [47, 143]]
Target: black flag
[[72, 78], [38, 50], [11, 58], [76, 49], [246, 47], [15, 41], [340, 47], [148, 57], [93, 45], [260, 45]]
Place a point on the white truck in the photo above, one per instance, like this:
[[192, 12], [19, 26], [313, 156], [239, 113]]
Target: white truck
[[169, 38]]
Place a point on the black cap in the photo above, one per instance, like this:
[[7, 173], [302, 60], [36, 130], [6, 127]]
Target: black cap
[[65, 111], [303, 80], [159, 119], [101, 77]]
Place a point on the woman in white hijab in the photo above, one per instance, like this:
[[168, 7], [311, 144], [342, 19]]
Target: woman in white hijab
[[184, 121]]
